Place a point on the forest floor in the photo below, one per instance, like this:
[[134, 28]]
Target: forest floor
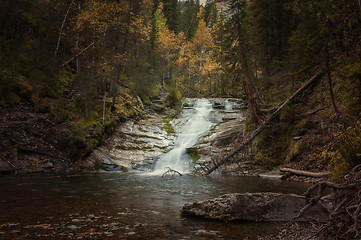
[[31, 141]]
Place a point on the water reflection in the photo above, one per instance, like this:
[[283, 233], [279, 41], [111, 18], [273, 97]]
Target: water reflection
[[130, 206]]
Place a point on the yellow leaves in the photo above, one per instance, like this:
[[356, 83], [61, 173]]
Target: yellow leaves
[[108, 65], [201, 13], [100, 16], [138, 27]]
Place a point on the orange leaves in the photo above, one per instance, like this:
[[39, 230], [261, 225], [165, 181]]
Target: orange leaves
[[100, 16], [166, 39], [108, 65]]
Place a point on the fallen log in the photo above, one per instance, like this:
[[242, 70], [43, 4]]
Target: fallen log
[[306, 173], [263, 125]]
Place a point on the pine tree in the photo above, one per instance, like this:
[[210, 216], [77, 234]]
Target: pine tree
[[171, 13], [189, 18]]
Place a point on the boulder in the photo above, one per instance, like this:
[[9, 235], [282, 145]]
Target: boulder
[[255, 207], [47, 165]]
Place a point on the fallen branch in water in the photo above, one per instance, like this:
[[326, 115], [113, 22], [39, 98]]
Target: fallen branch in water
[[263, 125], [306, 173], [171, 171]]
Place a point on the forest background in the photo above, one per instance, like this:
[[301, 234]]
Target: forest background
[[89, 64]]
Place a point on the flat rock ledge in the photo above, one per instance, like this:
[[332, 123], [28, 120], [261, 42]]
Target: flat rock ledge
[[260, 207]]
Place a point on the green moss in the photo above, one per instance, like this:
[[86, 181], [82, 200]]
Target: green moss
[[167, 126], [193, 153], [141, 129]]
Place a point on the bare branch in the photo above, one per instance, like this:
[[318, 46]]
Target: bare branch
[[77, 55], [62, 26]]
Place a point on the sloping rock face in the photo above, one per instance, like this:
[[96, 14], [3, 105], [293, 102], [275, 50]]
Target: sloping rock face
[[255, 207], [134, 145]]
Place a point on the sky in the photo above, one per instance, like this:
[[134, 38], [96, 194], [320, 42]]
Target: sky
[[203, 2]]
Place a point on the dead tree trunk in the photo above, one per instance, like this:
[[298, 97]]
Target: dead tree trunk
[[256, 114], [61, 28], [263, 125], [306, 173], [76, 55]]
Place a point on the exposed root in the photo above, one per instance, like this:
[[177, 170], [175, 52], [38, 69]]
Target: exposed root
[[344, 221]]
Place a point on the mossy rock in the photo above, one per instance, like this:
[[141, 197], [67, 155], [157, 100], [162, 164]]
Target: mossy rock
[[193, 153], [167, 126]]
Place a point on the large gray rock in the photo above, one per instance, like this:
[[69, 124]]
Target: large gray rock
[[255, 207]]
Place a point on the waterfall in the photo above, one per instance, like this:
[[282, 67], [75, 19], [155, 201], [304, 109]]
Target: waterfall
[[227, 105], [188, 135]]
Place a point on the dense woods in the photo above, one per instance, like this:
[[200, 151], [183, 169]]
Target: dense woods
[[92, 63], [86, 65]]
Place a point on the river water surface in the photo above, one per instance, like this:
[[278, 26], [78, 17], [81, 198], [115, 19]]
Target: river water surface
[[133, 205], [123, 206]]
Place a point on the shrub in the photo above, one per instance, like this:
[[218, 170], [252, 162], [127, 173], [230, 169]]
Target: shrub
[[345, 151], [173, 98]]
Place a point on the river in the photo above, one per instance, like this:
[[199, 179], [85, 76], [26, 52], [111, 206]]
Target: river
[[133, 205]]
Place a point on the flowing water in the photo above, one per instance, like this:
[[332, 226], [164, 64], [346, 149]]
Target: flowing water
[[131, 205], [187, 135]]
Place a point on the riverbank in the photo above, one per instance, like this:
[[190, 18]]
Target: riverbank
[[38, 138], [33, 142]]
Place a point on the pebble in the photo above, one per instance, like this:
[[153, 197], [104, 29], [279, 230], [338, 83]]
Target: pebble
[[72, 227], [109, 234], [90, 216]]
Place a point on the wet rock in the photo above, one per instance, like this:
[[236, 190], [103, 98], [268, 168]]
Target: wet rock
[[228, 132], [255, 207], [271, 176], [133, 145], [109, 234], [90, 216], [47, 165], [72, 227]]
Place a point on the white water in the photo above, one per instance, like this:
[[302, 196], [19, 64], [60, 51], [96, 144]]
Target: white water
[[228, 105], [188, 135]]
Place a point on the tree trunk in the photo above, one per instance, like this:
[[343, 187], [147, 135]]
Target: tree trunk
[[328, 69], [256, 115], [263, 125], [306, 173], [62, 26]]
